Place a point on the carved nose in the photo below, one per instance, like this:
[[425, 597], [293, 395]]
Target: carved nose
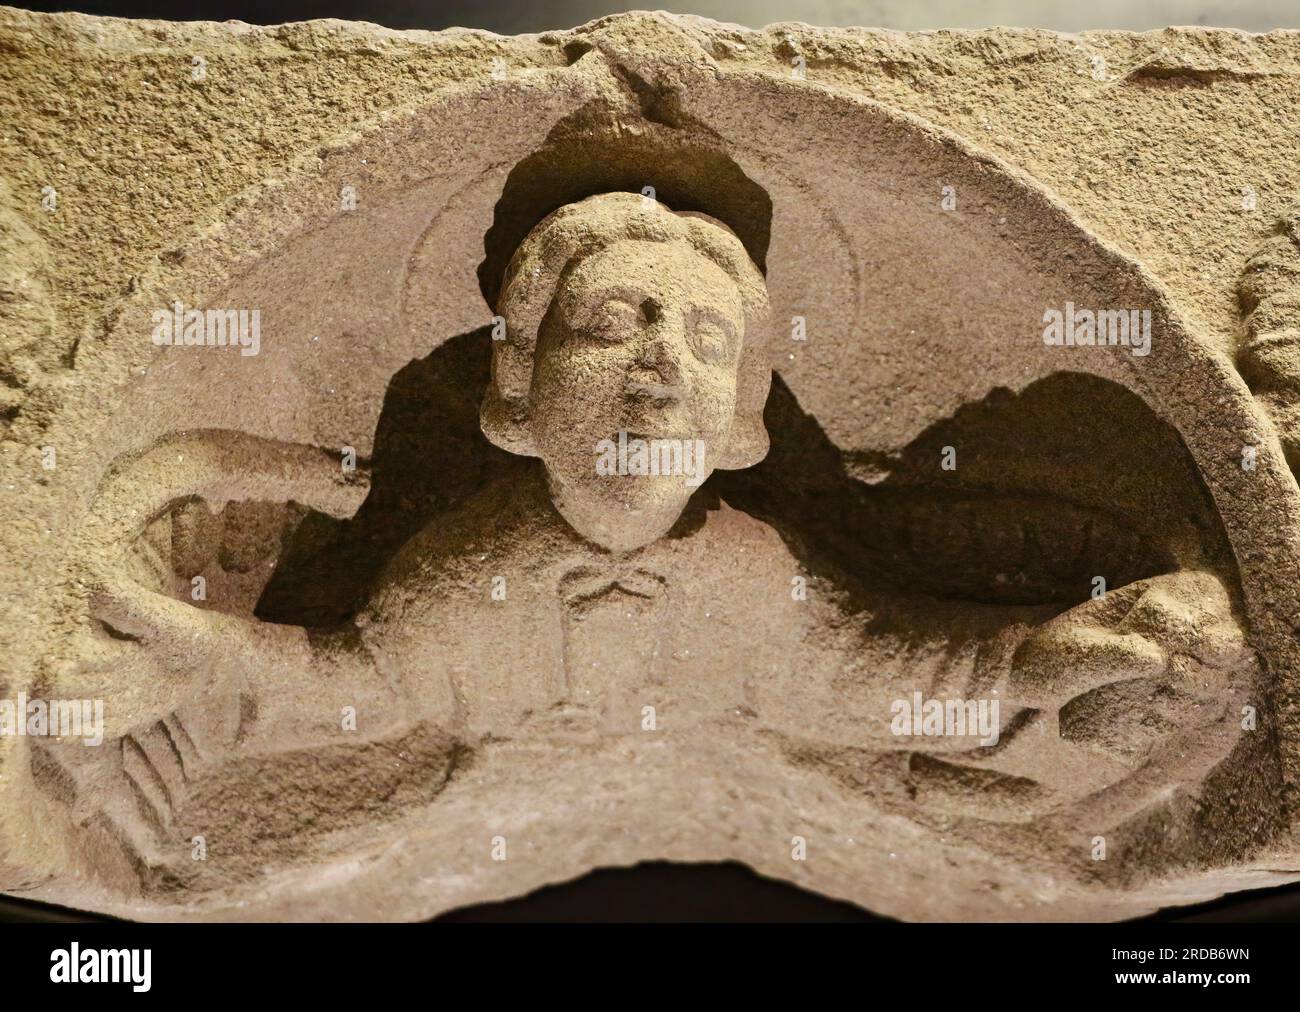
[[660, 357]]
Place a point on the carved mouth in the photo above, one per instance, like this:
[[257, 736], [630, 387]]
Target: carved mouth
[[657, 420], [658, 394], [650, 437]]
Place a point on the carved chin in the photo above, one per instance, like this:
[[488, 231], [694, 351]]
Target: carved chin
[[621, 514]]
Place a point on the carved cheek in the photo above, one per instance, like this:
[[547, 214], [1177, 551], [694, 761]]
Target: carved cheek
[[712, 402]]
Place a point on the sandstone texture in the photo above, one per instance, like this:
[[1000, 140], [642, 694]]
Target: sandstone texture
[[373, 634]]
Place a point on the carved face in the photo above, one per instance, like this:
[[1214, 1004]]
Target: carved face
[[634, 389], [634, 362]]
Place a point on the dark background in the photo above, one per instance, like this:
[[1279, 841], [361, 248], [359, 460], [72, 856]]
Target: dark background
[[661, 892], [666, 892]]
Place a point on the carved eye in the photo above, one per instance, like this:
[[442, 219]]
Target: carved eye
[[615, 320], [710, 341]]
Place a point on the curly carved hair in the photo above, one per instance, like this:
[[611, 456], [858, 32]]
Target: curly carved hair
[[556, 246]]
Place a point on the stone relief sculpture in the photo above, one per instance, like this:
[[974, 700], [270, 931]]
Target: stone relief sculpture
[[655, 482], [1268, 293]]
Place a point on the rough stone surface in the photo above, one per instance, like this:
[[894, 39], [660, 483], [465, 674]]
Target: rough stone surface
[[418, 672]]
